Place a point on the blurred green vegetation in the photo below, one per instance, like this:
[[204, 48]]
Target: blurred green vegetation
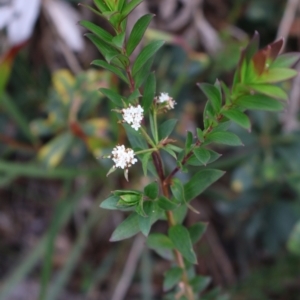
[[55, 126]]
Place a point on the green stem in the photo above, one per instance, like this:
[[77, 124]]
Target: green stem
[[155, 125], [145, 151], [148, 138]]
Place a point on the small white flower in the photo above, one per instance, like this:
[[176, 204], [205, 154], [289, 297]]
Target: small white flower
[[122, 157], [167, 100], [133, 115]]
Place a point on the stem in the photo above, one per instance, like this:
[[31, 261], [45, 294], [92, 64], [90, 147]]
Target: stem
[[171, 222], [155, 125], [148, 138]]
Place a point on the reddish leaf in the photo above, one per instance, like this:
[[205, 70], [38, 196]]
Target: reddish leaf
[[260, 60], [275, 49]]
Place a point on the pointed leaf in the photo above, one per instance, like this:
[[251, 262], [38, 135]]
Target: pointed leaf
[[137, 32], [166, 128], [107, 66], [128, 228], [153, 213], [130, 7], [113, 96], [166, 204], [269, 90], [196, 231], [259, 102], [145, 55], [213, 95], [237, 117], [149, 92], [118, 40], [98, 31], [203, 155], [181, 239], [159, 240], [277, 74], [201, 181], [224, 137], [143, 73], [145, 161]]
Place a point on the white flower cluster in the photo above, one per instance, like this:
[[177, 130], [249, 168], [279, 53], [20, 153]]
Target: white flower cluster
[[133, 115], [165, 98], [122, 157]]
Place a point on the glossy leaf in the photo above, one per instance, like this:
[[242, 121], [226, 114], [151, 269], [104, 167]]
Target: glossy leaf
[[259, 102], [269, 90], [166, 128], [180, 237], [137, 32], [143, 73], [129, 7], [98, 31], [118, 40], [107, 66], [213, 95], [200, 182], [194, 161], [149, 92], [151, 190], [153, 213], [113, 96], [166, 204], [203, 155], [277, 75], [128, 228], [147, 52], [238, 117], [100, 4], [224, 137]]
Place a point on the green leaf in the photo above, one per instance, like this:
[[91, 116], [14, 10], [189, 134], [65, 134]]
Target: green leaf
[[105, 49], [130, 7], [134, 96], [115, 70], [151, 190], [237, 117], [177, 190], [159, 240], [194, 161], [180, 237], [168, 149], [200, 135], [224, 137], [128, 228], [259, 102], [200, 283], [201, 181], [110, 203], [153, 213], [149, 92], [203, 155], [100, 4], [269, 90], [188, 142], [286, 60], [118, 40], [145, 161], [145, 55], [98, 31], [137, 32], [166, 204], [161, 244], [166, 128], [276, 75], [293, 243], [196, 231], [213, 95], [113, 96], [172, 277], [143, 73]]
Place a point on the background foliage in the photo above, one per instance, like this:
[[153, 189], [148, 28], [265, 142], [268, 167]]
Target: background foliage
[[55, 124]]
